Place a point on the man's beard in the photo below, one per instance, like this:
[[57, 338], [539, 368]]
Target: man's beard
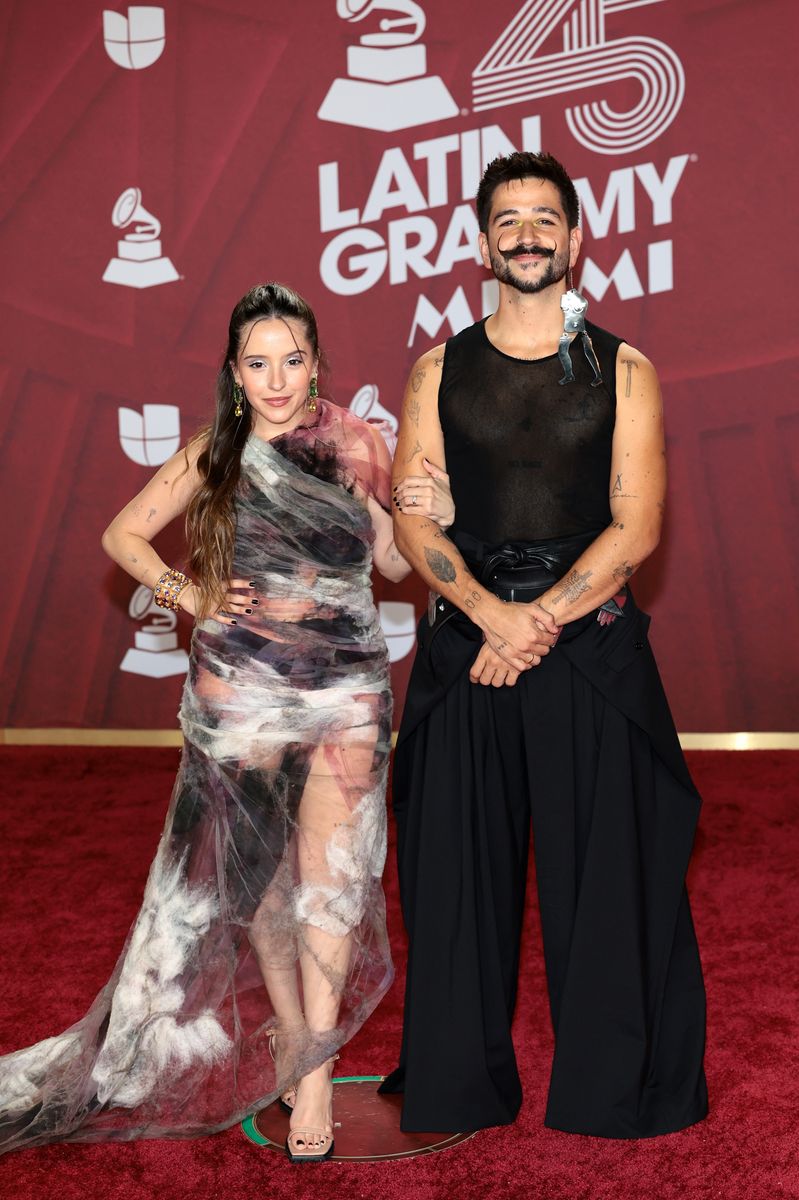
[[554, 271]]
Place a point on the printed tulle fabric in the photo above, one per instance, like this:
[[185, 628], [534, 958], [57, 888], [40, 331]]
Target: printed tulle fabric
[[264, 899]]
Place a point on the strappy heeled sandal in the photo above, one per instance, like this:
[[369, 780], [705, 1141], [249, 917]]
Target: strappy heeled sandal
[[286, 1099], [311, 1144]]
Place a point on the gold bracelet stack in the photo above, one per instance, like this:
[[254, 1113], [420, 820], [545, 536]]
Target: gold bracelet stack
[[167, 590]]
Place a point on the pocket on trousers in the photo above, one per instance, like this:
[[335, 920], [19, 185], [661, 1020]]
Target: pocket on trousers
[[631, 643]]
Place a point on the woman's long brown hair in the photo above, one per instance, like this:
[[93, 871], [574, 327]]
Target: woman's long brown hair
[[211, 514]]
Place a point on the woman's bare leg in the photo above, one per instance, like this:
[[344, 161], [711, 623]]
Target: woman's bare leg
[[328, 834]]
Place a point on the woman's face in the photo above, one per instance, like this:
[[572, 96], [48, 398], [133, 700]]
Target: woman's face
[[274, 366]]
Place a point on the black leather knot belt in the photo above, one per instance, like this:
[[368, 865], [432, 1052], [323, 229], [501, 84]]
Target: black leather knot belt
[[520, 571]]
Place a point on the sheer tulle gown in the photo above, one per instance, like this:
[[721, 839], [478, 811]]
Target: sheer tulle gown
[[265, 894]]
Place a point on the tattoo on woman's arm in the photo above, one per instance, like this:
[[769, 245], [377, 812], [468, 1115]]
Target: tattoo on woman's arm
[[440, 565], [573, 586]]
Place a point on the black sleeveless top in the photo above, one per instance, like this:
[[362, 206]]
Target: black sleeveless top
[[527, 458]]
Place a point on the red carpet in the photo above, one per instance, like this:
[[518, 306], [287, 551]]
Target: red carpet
[[79, 829]]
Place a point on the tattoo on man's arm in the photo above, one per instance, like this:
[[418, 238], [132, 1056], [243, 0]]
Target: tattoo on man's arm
[[418, 449], [414, 410], [440, 565], [473, 599], [629, 364], [435, 530], [438, 362], [572, 587], [624, 571], [417, 379]]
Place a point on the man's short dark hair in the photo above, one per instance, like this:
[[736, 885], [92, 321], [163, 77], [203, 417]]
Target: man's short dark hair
[[523, 164]]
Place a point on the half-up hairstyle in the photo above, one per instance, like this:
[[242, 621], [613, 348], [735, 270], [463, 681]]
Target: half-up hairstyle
[[211, 514]]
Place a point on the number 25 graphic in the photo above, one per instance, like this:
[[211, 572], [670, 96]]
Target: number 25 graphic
[[512, 72]]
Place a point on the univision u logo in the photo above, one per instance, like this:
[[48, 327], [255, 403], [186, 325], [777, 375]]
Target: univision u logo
[[135, 41]]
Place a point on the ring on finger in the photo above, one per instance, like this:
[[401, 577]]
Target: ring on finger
[[414, 501]]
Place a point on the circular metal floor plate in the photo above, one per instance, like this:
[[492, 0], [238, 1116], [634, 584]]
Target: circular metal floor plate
[[367, 1125]]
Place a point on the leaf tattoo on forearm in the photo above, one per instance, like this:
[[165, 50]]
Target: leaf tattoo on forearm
[[440, 565]]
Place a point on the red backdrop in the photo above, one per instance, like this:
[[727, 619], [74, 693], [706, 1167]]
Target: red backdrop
[[667, 112]]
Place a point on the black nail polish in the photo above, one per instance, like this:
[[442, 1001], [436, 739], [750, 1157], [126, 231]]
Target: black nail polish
[[232, 622], [248, 611], [254, 602], [252, 583]]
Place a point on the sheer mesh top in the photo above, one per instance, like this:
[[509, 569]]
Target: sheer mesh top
[[528, 458]]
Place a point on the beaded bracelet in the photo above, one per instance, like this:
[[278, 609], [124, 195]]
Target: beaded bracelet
[[167, 590]]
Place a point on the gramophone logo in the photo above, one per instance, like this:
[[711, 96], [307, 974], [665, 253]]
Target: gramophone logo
[[149, 437], [365, 404], [387, 88], [139, 263], [135, 41], [155, 651]]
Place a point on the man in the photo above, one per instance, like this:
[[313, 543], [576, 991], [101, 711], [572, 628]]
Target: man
[[534, 694]]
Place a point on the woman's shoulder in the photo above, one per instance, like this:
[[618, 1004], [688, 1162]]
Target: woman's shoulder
[[345, 425]]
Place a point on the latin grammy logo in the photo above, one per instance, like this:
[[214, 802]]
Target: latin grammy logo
[[139, 263], [387, 88], [155, 651], [135, 41], [366, 405]]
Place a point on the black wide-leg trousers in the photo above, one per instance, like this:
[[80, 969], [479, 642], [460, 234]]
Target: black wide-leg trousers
[[612, 832]]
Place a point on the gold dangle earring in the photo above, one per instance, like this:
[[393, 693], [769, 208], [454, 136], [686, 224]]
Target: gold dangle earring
[[313, 393], [238, 399]]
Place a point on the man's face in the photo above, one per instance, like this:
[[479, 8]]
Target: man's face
[[529, 245]]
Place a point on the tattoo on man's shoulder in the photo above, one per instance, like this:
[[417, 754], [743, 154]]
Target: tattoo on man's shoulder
[[440, 565], [417, 379], [573, 586], [629, 364], [416, 450]]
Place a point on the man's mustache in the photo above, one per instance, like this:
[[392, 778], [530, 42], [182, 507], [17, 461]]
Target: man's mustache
[[543, 251]]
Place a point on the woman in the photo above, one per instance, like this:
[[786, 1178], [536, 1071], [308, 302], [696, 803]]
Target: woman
[[262, 931]]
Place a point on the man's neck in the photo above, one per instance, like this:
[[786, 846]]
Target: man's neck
[[527, 325]]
